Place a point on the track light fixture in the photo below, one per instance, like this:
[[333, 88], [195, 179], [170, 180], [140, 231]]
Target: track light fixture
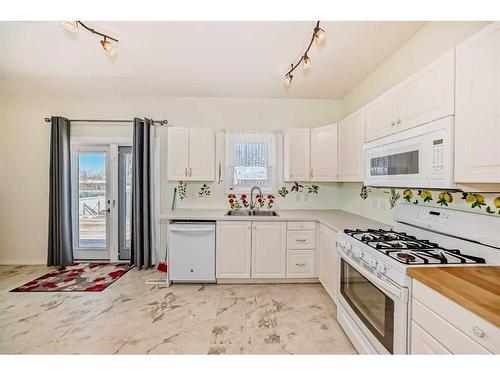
[[319, 36], [109, 48]]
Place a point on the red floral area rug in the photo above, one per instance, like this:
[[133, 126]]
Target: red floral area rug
[[81, 277]]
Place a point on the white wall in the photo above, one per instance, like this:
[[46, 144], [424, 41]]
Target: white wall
[[24, 148]]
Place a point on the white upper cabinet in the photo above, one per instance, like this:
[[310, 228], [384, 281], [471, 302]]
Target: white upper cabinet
[[201, 154], [191, 154], [324, 153], [297, 162], [178, 153], [351, 147], [381, 115], [269, 250], [477, 113], [423, 97], [428, 94], [310, 154]]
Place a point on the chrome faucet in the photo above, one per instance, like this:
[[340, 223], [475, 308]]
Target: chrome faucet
[[252, 203]]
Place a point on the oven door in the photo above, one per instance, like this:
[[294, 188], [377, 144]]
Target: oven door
[[378, 309]]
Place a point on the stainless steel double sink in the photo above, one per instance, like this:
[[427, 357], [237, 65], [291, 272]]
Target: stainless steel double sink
[[251, 213]]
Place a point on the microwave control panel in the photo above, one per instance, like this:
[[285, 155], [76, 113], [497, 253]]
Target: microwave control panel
[[438, 155]]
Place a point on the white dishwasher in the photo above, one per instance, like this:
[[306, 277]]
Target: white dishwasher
[[191, 247]]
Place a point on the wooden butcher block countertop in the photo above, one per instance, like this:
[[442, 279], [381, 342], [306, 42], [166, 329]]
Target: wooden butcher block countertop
[[475, 288]]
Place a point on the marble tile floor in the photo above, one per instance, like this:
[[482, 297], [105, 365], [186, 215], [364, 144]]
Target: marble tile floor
[[130, 317]]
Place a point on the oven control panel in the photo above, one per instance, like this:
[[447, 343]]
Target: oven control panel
[[438, 155]]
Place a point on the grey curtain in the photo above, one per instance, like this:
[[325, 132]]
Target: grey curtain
[[142, 225], [60, 244]]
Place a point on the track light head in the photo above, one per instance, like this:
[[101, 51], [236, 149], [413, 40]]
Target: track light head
[[70, 26], [108, 47], [307, 62], [319, 35]]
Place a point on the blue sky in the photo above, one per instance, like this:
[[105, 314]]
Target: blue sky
[[93, 163]]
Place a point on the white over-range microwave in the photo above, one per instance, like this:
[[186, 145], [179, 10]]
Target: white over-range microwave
[[421, 157]]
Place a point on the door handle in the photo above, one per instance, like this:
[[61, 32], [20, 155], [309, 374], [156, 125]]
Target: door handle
[[392, 123], [398, 121]]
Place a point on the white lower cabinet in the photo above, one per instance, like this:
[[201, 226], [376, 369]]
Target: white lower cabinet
[[268, 250], [233, 249], [328, 264], [423, 343], [439, 325], [301, 264]]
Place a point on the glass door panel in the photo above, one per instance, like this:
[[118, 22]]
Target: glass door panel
[[91, 203], [124, 201]]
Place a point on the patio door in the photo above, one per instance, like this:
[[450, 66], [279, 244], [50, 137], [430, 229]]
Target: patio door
[[102, 200]]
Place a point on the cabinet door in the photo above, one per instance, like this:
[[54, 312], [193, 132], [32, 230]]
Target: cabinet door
[[428, 94], [328, 269], [423, 343], [268, 250], [477, 111], [296, 163], [177, 153], [201, 154], [381, 115], [324, 153], [351, 147], [233, 249]]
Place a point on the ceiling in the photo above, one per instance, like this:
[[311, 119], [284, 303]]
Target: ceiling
[[244, 59]]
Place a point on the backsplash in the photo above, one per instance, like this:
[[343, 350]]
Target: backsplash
[[483, 203], [287, 196]]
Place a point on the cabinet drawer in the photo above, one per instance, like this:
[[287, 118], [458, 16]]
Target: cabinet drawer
[[301, 239], [470, 324], [423, 343], [301, 225], [301, 263], [450, 337]]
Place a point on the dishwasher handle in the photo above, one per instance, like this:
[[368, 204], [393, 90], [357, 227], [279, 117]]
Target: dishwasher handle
[[191, 228]]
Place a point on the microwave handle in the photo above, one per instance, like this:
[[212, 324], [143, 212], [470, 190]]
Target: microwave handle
[[394, 291]]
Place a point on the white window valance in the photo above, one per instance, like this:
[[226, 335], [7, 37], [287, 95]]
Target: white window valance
[[250, 160], [250, 147]]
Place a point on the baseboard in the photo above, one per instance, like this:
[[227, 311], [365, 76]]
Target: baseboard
[[23, 262], [267, 281]]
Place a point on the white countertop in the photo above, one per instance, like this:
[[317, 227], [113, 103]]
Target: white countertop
[[337, 220]]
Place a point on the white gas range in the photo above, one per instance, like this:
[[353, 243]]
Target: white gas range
[[374, 289]]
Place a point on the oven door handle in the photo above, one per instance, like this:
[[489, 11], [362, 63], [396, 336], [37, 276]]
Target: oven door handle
[[395, 291]]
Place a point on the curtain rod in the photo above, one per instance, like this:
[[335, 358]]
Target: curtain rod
[[159, 122]]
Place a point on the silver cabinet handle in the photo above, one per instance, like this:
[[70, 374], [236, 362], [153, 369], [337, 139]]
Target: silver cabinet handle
[[312, 173], [478, 331], [186, 171], [392, 123], [190, 172], [300, 264], [302, 240], [398, 121]]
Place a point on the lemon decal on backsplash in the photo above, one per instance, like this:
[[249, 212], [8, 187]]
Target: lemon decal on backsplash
[[425, 195], [444, 198], [407, 195], [475, 200], [470, 201]]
